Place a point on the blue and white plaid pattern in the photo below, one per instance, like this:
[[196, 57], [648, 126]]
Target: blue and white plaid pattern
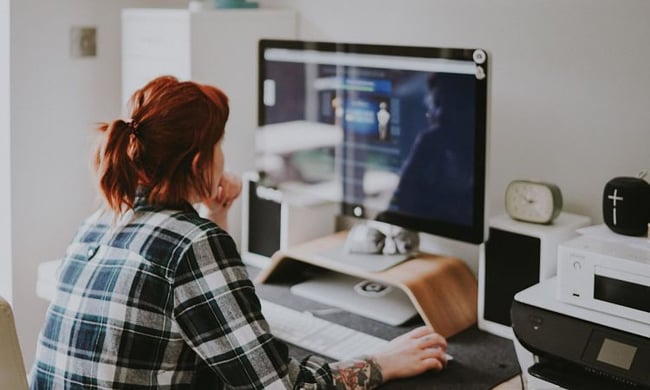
[[160, 299]]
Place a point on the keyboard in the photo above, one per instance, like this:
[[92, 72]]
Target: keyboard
[[315, 334], [323, 337]]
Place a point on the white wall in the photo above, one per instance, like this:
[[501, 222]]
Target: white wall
[[55, 102], [5, 169]]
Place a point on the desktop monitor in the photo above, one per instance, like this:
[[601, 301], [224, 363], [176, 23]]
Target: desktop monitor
[[394, 133]]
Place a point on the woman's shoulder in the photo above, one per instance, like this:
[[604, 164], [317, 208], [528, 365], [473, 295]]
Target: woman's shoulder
[[189, 229], [201, 235]]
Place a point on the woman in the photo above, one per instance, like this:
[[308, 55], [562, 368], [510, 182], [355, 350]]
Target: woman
[[151, 295]]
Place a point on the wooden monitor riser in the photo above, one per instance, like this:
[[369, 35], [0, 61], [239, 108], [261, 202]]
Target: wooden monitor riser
[[442, 289]]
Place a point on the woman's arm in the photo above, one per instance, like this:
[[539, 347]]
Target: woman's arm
[[216, 209], [219, 316]]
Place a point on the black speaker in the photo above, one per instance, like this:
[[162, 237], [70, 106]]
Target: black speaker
[[272, 221], [263, 223], [513, 265], [626, 205], [517, 255]]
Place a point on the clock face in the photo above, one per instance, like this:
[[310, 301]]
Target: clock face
[[533, 201]]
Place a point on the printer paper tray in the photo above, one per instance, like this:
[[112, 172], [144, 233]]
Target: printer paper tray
[[574, 377]]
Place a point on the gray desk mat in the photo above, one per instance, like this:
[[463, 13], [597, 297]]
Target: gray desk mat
[[481, 360]]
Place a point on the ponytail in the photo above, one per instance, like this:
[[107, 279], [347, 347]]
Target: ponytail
[[116, 164]]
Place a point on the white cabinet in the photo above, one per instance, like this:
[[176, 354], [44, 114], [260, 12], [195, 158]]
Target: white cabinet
[[217, 47]]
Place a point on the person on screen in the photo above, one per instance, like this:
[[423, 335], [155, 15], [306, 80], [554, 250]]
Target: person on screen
[[153, 295], [383, 117], [437, 176]]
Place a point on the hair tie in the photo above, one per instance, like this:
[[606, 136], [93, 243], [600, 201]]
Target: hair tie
[[133, 125]]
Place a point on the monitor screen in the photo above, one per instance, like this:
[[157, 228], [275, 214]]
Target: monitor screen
[[394, 133]]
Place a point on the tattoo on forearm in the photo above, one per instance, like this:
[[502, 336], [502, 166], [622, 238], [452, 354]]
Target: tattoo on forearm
[[362, 374]]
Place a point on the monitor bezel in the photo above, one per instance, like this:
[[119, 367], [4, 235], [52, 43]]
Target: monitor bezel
[[474, 233]]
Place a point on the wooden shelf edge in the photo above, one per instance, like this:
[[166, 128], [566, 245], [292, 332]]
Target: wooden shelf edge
[[442, 289]]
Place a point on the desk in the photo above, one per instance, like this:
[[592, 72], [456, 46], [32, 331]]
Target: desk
[[478, 355], [480, 359]]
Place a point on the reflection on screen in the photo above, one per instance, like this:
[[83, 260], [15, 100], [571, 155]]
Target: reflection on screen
[[388, 133]]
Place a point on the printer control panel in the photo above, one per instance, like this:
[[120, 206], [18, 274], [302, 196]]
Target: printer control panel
[[597, 351]]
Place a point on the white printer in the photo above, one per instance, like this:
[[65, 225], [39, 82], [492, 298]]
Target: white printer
[[576, 347]]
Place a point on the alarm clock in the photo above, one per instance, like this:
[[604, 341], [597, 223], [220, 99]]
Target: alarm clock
[[533, 201]]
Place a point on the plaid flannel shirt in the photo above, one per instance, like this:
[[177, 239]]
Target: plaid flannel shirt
[[161, 299]]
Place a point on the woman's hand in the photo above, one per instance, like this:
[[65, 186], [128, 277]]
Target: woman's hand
[[412, 354], [228, 191]]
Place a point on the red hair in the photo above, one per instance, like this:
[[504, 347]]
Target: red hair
[[167, 146]]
